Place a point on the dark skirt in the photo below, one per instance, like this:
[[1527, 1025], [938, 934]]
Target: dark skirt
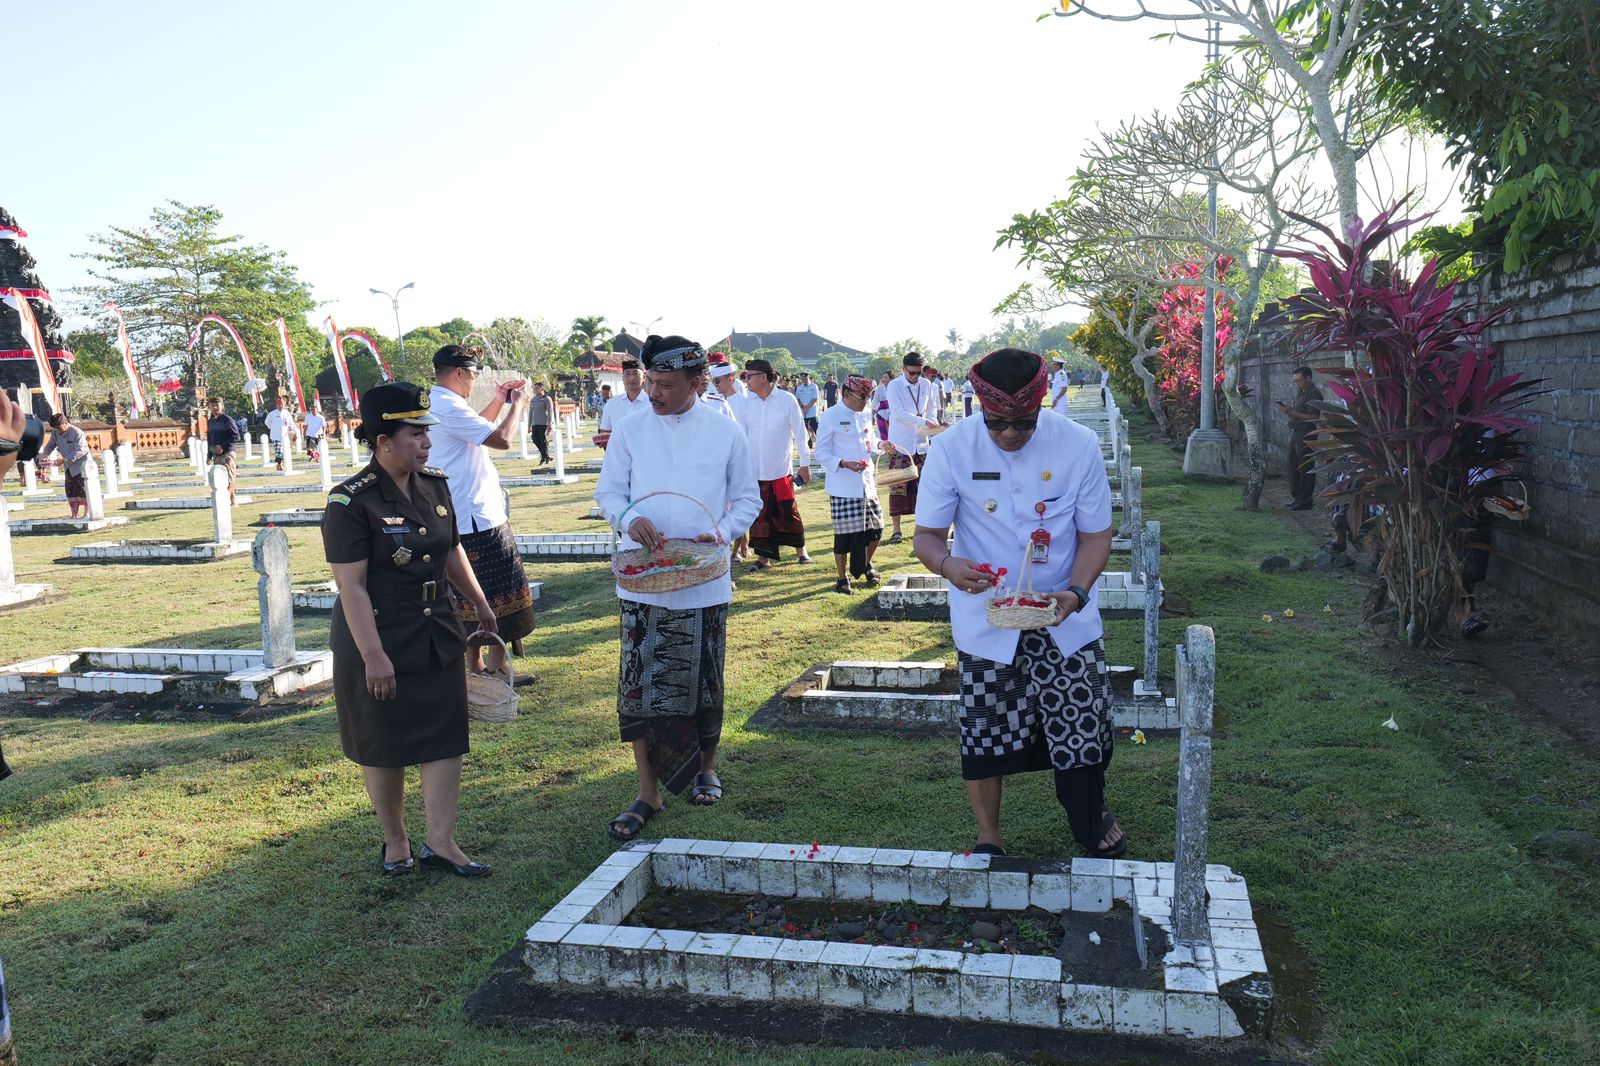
[[669, 686], [498, 567], [1041, 711], [903, 497], [779, 523], [77, 487], [426, 720]]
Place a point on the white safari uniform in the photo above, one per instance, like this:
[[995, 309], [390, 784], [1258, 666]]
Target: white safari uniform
[[1062, 468], [844, 435], [458, 450], [619, 407], [1058, 381], [698, 453], [911, 406]]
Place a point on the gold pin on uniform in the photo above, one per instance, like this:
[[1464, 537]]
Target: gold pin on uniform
[[1045, 475], [439, 510], [401, 556]]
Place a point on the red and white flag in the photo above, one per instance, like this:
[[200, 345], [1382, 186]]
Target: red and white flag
[[341, 368], [127, 358], [371, 346], [35, 339], [251, 383], [12, 233], [288, 359]]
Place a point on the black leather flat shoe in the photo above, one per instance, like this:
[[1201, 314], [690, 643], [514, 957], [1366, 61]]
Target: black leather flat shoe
[[394, 869], [471, 869]]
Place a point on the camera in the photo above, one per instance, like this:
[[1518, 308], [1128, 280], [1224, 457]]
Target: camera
[[32, 437]]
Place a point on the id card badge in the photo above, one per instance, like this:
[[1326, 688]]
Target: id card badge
[[1039, 546]]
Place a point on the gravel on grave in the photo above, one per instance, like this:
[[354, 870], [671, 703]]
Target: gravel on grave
[[1108, 957]]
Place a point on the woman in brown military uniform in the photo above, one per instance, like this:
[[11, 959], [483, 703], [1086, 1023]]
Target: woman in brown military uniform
[[399, 678]]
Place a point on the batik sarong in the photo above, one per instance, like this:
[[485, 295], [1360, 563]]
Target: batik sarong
[[778, 524], [498, 567], [77, 487], [669, 686], [1044, 710], [903, 497]]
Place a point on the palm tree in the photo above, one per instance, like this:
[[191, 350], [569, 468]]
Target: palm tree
[[589, 332], [954, 337]]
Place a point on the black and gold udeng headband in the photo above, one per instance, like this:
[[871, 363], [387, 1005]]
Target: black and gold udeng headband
[[691, 358]]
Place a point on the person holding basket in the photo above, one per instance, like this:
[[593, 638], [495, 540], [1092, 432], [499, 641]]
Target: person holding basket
[[1026, 490], [399, 676], [678, 484]]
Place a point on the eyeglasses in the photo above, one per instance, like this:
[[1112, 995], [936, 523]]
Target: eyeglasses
[[1000, 425]]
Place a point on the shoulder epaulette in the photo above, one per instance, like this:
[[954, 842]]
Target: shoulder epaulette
[[433, 471], [359, 483]]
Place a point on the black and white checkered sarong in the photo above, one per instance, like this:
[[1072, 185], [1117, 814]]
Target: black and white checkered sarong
[[1043, 711], [855, 514]]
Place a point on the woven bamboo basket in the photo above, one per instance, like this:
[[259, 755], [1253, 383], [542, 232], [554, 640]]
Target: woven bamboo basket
[[887, 476], [1510, 505], [490, 699], [680, 563], [1005, 612]]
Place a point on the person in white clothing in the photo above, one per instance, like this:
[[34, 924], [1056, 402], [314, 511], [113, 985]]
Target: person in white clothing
[[631, 400], [847, 443], [461, 444], [1025, 483], [776, 430], [1060, 382], [720, 393], [913, 417], [679, 471], [316, 426], [281, 430]]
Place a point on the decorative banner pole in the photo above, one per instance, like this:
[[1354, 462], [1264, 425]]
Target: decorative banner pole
[[31, 333], [341, 369], [252, 384], [371, 346], [288, 361], [139, 403]]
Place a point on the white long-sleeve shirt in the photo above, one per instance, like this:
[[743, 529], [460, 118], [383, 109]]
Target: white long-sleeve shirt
[[619, 407], [911, 406], [699, 453], [844, 435], [775, 429]]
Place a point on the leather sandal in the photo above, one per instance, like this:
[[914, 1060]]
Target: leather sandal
[[631, 822], [707, 790]]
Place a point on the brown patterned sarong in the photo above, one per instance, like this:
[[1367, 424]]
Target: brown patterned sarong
[[498, 567], [669, 686], [77, 487], [779, 523]]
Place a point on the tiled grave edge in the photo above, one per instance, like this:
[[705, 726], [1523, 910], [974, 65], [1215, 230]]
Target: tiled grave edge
[[580, 940]]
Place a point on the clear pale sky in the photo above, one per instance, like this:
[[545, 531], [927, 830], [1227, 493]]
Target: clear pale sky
[[837, 164]]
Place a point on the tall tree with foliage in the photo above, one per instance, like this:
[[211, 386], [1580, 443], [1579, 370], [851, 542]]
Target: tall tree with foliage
[[589, 333], [1514, 89], [181, 266]]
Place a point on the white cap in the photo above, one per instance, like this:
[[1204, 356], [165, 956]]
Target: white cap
[[721, 370]]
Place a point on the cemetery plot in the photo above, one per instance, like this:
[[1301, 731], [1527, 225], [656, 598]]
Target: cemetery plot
[[566, 547], [320, 598]]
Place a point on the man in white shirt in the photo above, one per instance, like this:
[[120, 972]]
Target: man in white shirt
[[631, 400], [316, 426], [1025, 483], [1060, 382], [847, 443], [913, 417], [281, 430], [806, 395], [461, 444], [775, 429], [720, 393], [678, 471], [966, 399]]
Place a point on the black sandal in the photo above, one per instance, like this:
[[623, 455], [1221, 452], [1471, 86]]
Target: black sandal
[[988, 849], [843, 585], [638, 813], [1108, 822], [707, 790]]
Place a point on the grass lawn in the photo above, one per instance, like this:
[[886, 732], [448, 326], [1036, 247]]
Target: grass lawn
[[203, 892]]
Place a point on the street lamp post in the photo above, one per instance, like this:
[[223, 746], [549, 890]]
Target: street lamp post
[[1207, 452], [394, 302], [646, 327]]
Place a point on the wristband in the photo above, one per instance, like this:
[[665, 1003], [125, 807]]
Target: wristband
[[1083, 597], [947, 557]]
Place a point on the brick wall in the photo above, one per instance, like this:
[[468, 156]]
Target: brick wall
[[1552, 332]]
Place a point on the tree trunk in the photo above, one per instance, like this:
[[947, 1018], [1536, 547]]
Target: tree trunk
[[1341, 158], [1255, 447], [1152, 395]]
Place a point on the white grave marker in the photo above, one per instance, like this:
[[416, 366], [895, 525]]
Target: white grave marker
[[325, 467], [249, 448], [221, 510], [91, 482], [270, 557], [109, 457], [30, 477], [561, 454], [266, 451]]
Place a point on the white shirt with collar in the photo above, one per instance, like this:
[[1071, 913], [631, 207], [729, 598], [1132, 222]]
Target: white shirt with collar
[[775, 430], [698, 453], [844, 435], [1061, 467], [619, 407], [280, 424], [315, 424], [1059, 381], [719, 403], [911, 406], [458, 450]]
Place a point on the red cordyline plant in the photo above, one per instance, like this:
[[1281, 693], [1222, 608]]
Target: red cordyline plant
[[1180, 320], [1424, 429]]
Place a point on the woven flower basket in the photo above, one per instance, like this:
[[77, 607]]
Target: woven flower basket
[[1007, 612], [680, 562], [490, 699], [1510, 505], [889, 476]]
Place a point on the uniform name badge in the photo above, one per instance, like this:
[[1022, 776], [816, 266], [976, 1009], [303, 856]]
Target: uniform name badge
[[1039, 542]]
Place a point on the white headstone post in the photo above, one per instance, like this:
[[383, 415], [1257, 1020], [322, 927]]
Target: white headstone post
[[266, 451], [288, 454], [30, 477], [124, 462], [109, 458], [249, 448], [10, 591], [355, 450], [1197, 679], [270, 557], [91, 484], [325, 467], [1133, 510], [221, 509], [1152, 608], [522, 439], [560, 455], [197, 457]]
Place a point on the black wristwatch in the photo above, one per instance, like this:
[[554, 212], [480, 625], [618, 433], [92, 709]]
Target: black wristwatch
[[1083, 597]]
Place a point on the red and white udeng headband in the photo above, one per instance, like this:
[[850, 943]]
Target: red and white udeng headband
[[1010, 405]]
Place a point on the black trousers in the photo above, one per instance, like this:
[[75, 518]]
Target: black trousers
[[1082, 794], [1302, 482], [541, 440]]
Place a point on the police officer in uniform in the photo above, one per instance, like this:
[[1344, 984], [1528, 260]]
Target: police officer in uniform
[[399, 677]]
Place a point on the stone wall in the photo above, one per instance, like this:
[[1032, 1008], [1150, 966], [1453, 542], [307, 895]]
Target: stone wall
[[1551, 561]]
